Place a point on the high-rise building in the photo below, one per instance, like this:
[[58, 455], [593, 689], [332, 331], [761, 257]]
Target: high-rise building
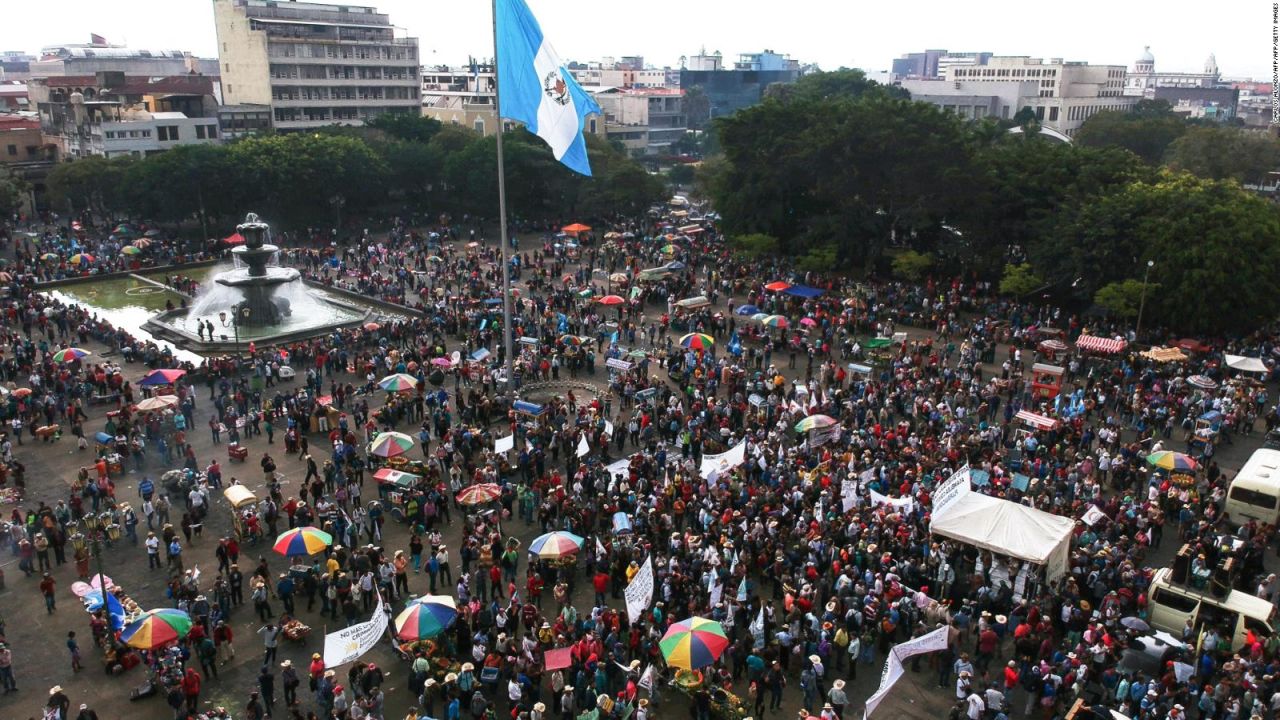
[[729, 90], [460, 96], [68, 60], [315, 64], [934, 63]]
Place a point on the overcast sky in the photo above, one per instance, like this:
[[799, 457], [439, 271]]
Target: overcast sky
[[832, 33]]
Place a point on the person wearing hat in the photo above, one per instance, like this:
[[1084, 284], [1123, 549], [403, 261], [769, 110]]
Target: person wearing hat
[[837, 697], [568, 702], [289, 682], [86, 713], [642, 709], [315, 670], [58, 701]]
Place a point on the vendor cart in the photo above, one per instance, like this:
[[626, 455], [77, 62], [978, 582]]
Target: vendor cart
[[243, 505]]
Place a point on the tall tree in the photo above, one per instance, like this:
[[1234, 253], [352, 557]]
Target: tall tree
[[1146, 131], [12, 190], [1225, 153]]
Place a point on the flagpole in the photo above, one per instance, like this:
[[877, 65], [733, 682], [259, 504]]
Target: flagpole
[[507, 329]]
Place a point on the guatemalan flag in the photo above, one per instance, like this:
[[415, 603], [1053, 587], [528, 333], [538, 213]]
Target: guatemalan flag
[[536, 89]]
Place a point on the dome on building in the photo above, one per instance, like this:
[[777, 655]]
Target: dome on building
[[1146, 57]]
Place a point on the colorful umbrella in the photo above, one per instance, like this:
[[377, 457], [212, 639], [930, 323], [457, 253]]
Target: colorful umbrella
[[575, 228], [390, 444], [426, 617], [69, 354], [693, 643], [808, 322], [668, 249], [479, 494], [305, 540], [142, 243], [1201, 381], [443, 362], [399, 382], [372, 326], [570, 340], [159, 402], [22, 392], [611, 300], [81, 258], [396, 477], [157, 628], [777, 286], [697, 341], [161, 377], [555, 545], [131, 250], [746, 310], [775, 321], [814, 422], [49, 257], [619, 277], [1170, 460]]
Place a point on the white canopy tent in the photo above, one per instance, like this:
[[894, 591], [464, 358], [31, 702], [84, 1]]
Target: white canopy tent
[[1246, 364], [1002, 526]]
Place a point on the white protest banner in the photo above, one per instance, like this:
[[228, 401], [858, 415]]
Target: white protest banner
[[755, 400], [848, 494], [1093, 515], [902, 503], [946, 494], [583, 446], [617, 364], [1183, 671], [646, 679], [717, 592], [639, 591], [502, 445], [929, 642], [349, 643], [724, 462], [620, 468], [757, 627]]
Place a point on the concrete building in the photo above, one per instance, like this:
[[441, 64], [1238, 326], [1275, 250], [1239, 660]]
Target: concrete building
[[76, 112], [973, 100], [1254, 105], [1066, 93], [237, 121], [1143, 78], [15, 65], [460, 96], [646, 120], [13, 96], [1214, 103], [731, 90], [26, 154], [65, 60], [315, 64], [608, 74], [934, 63]]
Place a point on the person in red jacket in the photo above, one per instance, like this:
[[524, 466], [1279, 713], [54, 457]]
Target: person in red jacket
[[191, 689], [600, 581]]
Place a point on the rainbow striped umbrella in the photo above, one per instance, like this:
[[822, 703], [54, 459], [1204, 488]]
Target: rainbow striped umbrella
[[1171, 460], [69, 355], [697, 341], [693, 643], [555, 545], [49, 257], [157, 628], [814, 422], [400, 382], [570, 340], [775, 321], [479, 494], [302, 541], [426, 617], [390, 444], [79, 258]]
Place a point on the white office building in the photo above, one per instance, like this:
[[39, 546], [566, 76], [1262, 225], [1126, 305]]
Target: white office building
[[315, 64], [1065, 93]]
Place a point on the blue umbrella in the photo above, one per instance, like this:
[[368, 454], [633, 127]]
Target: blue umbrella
[[93, 602], [675, 265], [746, 310]]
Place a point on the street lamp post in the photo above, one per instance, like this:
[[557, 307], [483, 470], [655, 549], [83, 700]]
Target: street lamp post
[[97, 526], [1142, 302]]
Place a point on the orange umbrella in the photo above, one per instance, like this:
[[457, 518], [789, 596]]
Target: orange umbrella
[[777, 286], [575, 228]]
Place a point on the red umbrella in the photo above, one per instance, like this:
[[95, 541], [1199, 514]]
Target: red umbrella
[[777, 286], [611, 300]]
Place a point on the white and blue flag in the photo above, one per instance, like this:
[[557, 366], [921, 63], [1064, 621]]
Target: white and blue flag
[[536, 88]]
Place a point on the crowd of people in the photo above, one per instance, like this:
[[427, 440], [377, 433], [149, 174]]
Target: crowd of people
[[814, 550]]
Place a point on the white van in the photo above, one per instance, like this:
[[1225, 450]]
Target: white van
[[1171, 604], [1255, 491]]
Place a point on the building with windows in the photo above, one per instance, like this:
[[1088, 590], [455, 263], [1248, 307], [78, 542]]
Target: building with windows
[[1065, 93], [645, 120], [77, 112], [64, 60], [972, 100], [934, 63], [315, 64], [1143, 79], [15, 65], [730, 90], [460, 96]]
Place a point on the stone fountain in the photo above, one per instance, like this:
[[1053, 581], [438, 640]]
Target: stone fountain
[[258, 282]]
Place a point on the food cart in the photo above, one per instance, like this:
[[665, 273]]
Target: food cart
[[243, 507], [1046, 381], [1208, 427]]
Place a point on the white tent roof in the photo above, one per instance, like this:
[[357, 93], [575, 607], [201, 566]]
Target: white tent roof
[[1005, 526], [1246, 364]]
